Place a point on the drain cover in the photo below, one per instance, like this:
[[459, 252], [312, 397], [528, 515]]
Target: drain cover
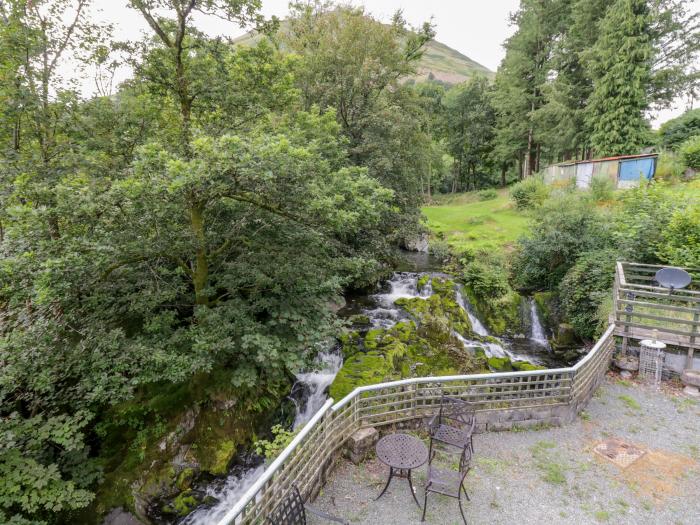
[[621, 453]]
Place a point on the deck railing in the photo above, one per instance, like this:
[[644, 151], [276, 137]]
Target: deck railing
[[644, 310], [518, 396]]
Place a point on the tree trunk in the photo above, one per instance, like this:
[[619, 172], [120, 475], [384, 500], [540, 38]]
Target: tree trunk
[[503, 175], [537, 159], [200, 271]]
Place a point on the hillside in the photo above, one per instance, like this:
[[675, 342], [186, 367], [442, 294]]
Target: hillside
[[446, 64]]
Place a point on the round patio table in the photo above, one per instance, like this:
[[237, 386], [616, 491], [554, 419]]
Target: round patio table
[[401, 453]]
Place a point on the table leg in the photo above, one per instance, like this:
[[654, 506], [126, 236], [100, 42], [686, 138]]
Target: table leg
[[391, 475], [410, 485]]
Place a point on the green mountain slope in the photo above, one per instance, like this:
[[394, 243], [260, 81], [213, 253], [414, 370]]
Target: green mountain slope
[[442, 62]]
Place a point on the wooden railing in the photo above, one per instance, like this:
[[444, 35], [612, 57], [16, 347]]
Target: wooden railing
[[644, 310], [504, 398]]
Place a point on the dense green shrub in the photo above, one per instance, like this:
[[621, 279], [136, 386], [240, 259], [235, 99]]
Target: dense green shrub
[[563, 229], [678, 130], [602, 188], [639, 225], [488, 280], [487, 194], [669, 167], [440, 249], [529, 193], [681, 239], [584, 288], [690, 152]]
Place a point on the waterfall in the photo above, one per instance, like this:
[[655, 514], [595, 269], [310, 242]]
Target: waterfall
[[226, 494], [402, 285], [537, 333], [477, 326], [315, 383]]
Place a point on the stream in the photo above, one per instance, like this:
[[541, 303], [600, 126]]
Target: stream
[[310, 390]]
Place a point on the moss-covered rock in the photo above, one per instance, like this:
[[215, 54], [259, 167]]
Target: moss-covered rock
[[423, 281], [359, 320], [182, 504], [500, 364], [523, 366], [502, 316], [423, 346]]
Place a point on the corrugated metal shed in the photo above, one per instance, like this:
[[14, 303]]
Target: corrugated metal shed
[[624, 171]]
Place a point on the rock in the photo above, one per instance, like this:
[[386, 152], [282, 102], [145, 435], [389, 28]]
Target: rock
[[627, 363], [418, 243], [626, 374], [119, 516], [691, 380], [565, 335], [361, 444], [336, 304]]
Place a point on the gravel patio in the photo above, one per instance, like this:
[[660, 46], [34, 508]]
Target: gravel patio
[[553, 475]]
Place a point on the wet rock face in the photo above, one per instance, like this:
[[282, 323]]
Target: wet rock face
[[418, 243]]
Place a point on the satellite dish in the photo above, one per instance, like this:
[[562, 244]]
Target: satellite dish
[[673, 278]]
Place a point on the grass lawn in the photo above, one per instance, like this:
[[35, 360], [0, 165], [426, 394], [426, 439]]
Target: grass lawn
[[466, 222]]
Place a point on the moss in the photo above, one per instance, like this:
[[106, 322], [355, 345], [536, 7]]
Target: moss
[[500, 364], [184, 479], [424, 346], [359, 320], [501, 316], [182, 504], [546, 306], [524, 366], [350, 342], [373, 338], [423, 282]]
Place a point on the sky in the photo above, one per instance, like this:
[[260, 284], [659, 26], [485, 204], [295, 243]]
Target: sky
[[476, 28]]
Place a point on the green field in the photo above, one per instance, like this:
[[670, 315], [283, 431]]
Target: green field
[[465, 222]]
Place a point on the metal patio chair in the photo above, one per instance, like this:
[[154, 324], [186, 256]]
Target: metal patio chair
[[453, 424], [292, 511], [449, 482]]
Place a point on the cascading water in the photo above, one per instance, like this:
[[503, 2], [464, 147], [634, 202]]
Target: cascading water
[[537, 333], [401, 285], [315, 383], [227, 495], [310, 395]]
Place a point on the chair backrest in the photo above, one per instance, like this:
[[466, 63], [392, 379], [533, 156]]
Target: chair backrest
[[457, 410], [289, 511]]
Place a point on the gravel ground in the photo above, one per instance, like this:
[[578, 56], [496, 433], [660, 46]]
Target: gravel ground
[[552, 475]]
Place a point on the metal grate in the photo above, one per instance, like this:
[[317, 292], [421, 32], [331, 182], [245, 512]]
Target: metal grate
[[621, 453], [651, 361]]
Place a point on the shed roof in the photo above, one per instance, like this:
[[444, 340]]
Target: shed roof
[[607, 159]]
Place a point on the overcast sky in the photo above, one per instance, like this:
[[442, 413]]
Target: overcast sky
[[476, 28]]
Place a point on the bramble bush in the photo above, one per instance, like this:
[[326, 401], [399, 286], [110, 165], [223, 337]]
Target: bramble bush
[[690, 152], [529, 193]]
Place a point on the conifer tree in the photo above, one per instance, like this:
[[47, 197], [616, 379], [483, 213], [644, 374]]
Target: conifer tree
[[621, 69]]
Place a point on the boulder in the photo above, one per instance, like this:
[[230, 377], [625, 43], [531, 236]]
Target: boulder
[[361, 444]]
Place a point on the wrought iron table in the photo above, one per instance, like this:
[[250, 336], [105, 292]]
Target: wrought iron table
[[401, 453]]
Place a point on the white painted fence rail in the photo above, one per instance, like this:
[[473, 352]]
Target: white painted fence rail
[[503, 400]]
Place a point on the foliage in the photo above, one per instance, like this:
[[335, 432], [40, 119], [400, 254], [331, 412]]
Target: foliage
[[469, 123], [486, 278], [669, 167], [584, 288], [487, 195], [563, 228], [602, 188], [529, 193], [621, 69], [676, 131], [271, 449], [440, 249], [690, 152], [681, 239]]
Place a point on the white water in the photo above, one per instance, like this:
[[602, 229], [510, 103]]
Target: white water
[[328, 362], [401, 286], [227, 495], [537, 331]]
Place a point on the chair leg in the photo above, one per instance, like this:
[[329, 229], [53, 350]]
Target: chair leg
[[425, 505], [465, 493], [461, 510]]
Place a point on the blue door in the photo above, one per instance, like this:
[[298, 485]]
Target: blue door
[[634, 170]]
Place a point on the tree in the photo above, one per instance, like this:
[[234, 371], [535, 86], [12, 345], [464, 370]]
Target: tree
[[470, 124], [675, 132], [620, 66], [354, 65]]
